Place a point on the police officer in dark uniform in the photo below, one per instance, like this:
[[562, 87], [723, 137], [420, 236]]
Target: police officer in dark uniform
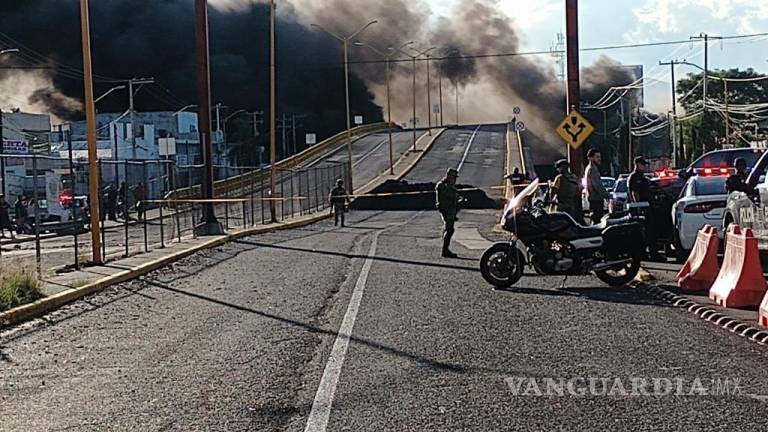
[[738, 181], [448, 201], [639, 191]]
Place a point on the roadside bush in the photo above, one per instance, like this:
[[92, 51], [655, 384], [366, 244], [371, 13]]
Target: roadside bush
[[18, 287]]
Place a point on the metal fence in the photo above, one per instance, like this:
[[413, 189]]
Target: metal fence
[[140, 205]]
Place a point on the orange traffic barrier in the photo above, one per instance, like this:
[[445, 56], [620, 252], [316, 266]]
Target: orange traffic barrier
[[763, 313], [701, 269], [740, 282]]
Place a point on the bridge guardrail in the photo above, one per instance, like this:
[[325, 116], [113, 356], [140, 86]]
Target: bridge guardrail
[[243, 181]]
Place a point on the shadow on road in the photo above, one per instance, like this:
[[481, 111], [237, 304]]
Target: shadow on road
[[623, 295], [433, 364], [349, 255]]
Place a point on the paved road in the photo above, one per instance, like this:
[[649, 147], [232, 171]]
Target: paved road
[[367, 328], [476, 151]]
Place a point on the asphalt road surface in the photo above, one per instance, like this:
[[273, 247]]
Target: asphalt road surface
[[240, 337], [368, 328], [476, 151]]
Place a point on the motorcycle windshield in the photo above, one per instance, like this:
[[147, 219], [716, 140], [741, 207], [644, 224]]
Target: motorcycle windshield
[[518, 201]]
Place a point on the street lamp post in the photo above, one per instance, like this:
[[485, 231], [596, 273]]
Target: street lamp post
[[2, 139], [345, 43], [427, 54], [210, 225], [388, 58]]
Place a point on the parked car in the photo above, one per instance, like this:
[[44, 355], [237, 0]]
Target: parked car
[[702, 202], [750, 209], [618, 194], [722, 159]]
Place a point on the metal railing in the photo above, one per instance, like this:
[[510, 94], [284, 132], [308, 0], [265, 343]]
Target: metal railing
[[140, 210]]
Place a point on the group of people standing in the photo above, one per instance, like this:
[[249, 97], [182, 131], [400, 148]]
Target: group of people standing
[[115, 201], [20, 224], [567, 192]]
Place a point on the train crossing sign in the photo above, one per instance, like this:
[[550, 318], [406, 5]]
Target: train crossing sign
[[575, 129]]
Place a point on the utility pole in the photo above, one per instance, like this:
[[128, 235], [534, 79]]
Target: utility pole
[[727, 115], [673, 123], [440, 93], [429, 99], [705, 37], [2, 151], [574, 86], [272, 113], [456, 90], [90, 116], [209, 226], [131, 83]]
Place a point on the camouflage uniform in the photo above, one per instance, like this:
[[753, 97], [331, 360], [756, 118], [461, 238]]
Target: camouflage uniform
[[448, 206]]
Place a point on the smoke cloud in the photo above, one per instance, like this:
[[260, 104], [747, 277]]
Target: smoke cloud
[[156, 38]]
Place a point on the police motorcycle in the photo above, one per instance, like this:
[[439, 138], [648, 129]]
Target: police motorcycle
[[554, 244]]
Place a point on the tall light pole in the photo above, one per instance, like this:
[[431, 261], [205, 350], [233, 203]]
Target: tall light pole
[[272, 113], [2, 139], [427, 54], [440, 82], [209, 226], [388, 57], [90, 116], [345, 42], [456, 90], [413, 119], [131, 93]]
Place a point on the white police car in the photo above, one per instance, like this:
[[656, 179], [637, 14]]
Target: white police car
[[702, 202]]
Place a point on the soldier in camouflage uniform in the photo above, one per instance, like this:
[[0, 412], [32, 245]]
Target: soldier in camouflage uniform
[[448, 201]]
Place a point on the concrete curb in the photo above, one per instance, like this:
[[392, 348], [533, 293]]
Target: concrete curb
[[706, 313], [40, 307]]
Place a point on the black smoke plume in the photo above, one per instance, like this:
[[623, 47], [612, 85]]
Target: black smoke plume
[[155, 38]]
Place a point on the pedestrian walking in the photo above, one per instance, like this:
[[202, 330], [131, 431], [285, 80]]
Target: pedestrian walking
[[639, 191], [138, 198], [448, 202], [20, 208], [596, 193], [566, 191], [5, 218], [338, 199]]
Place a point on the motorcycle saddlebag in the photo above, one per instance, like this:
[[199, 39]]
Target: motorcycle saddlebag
[[619, 241]]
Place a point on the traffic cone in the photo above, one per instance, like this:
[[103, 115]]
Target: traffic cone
[[701, 269], [740, 282]]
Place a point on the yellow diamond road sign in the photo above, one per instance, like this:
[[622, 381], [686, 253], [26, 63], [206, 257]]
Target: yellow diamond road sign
[[575, 129]]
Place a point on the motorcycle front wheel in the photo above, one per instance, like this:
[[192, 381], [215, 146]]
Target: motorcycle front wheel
[[502, 265], [621, 275]]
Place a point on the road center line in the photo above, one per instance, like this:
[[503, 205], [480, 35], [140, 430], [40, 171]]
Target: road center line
[[469, 145], [321, 407]]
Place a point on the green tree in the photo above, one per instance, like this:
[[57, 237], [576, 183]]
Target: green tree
[[707, 132]]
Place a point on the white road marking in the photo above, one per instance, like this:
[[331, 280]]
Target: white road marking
[[321, 408], [469, 145], [367, 155]]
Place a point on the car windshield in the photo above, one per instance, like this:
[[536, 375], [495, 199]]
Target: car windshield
[[709, 186], [621, 186]]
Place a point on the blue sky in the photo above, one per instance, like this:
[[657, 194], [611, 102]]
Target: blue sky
[[618, 22]]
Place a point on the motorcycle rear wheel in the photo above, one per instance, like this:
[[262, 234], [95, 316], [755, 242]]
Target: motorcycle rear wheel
[[502, 265], [623, 275]]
